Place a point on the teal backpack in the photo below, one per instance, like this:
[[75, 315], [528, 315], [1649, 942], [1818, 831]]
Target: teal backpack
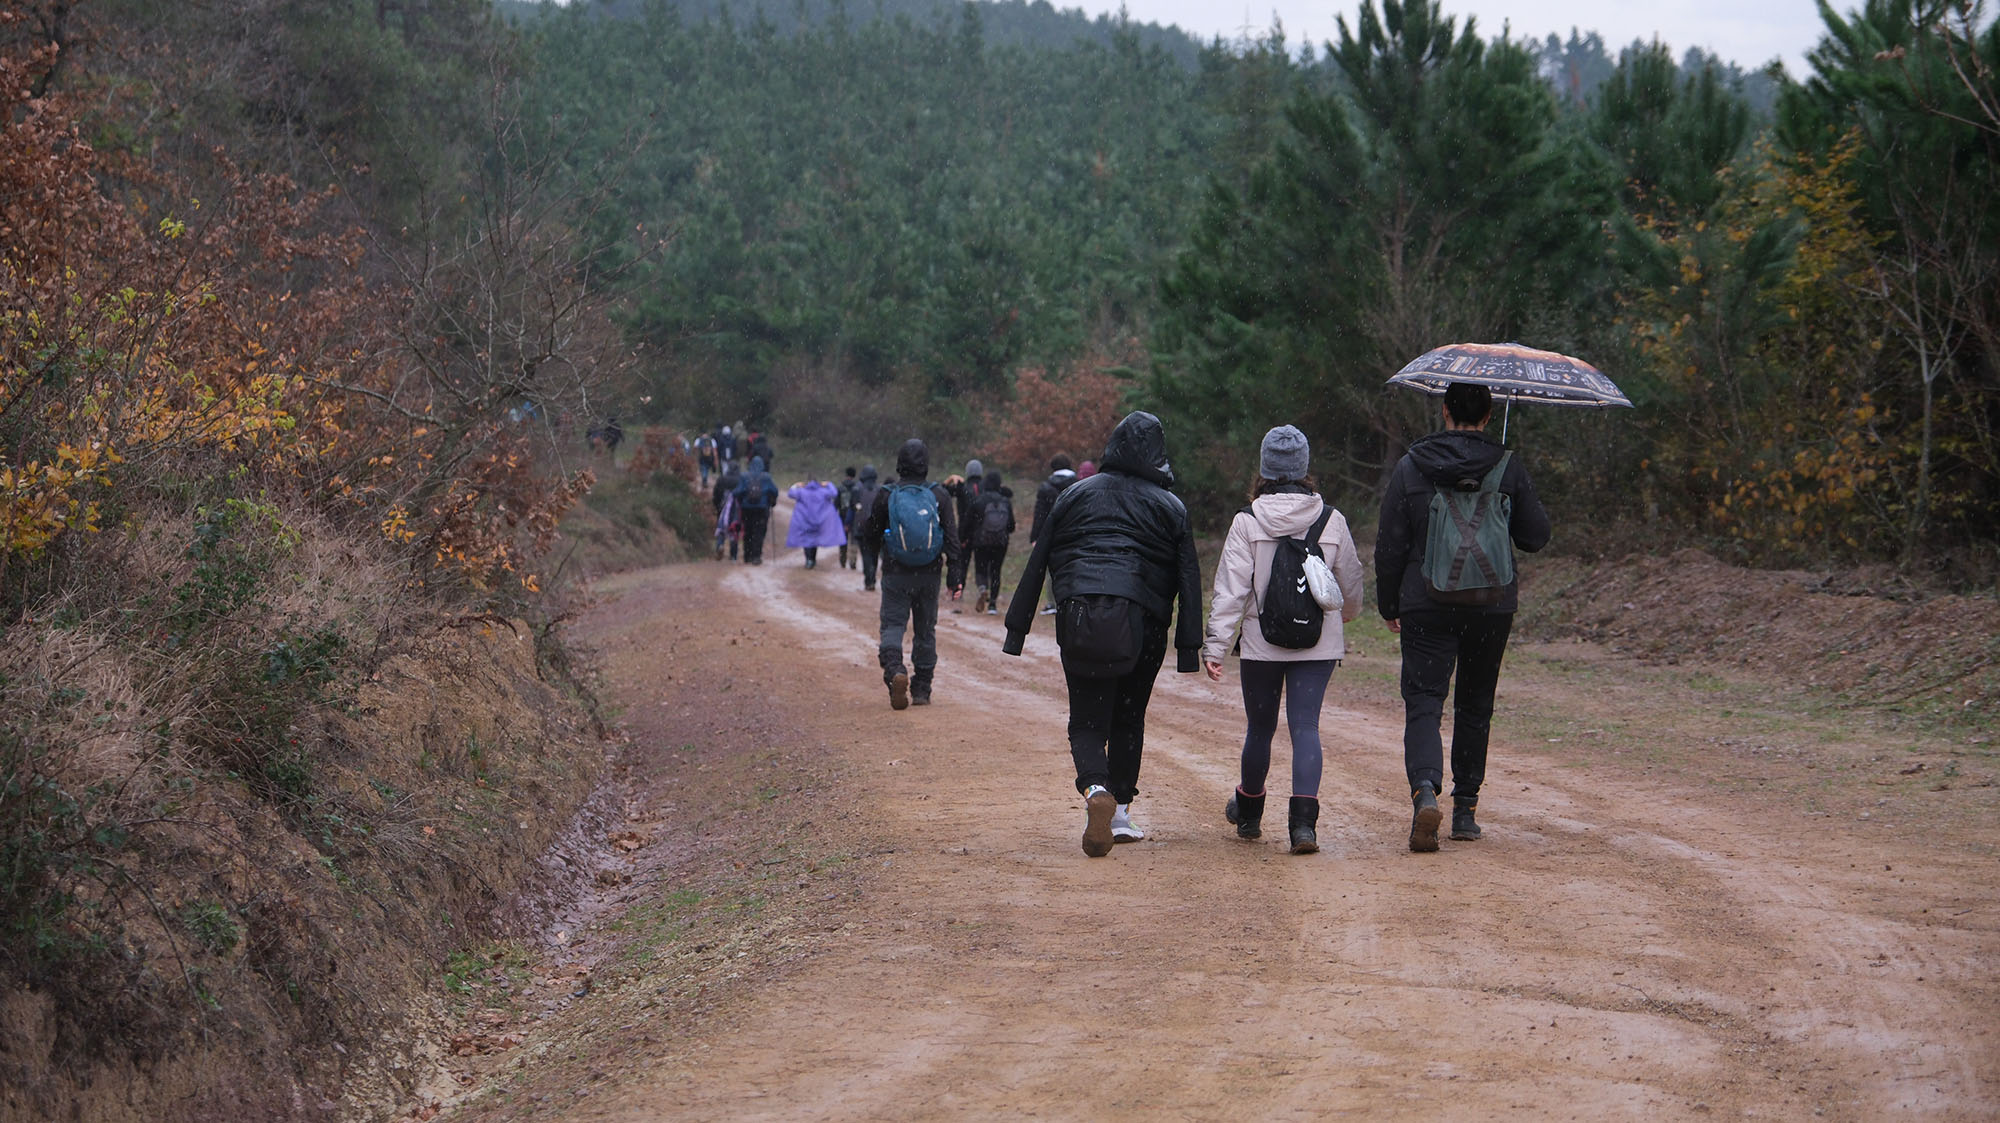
[[913, 536], [1468, 550]]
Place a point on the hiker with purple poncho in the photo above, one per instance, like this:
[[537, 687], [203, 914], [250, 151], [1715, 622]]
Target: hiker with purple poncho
[[815, 519]]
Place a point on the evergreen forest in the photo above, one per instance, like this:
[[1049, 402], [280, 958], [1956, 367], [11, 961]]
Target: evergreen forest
[[882, 219], [306, 307]]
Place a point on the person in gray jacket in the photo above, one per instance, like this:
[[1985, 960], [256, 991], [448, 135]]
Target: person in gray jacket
[[1439, 637]]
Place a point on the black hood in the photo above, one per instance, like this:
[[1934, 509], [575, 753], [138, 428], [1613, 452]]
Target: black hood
[[913, 460], [1138, 447], [991, 482], [1451, 457], [868, 475]]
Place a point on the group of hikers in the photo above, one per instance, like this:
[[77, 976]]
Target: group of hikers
[[1114, 549]]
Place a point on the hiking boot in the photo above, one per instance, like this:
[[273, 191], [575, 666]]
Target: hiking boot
[[1048, 610], [1463, 828], [1247, 812], [1099, 807], [920, 688], [1303, 823], [1122, 829], [899, 691], [979, 604], [1425, 819], [919, 697]]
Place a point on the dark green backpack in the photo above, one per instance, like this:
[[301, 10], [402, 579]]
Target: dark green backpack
[[1468, 547]]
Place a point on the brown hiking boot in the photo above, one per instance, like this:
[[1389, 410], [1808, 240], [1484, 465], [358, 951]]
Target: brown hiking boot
[[899, 691], [1099, 807], [1424, 822]]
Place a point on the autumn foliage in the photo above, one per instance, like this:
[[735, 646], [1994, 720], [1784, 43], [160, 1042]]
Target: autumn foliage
[[1070, 410], [252, 448]]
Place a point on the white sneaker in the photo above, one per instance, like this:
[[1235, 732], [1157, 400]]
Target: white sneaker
[[1122, 829]]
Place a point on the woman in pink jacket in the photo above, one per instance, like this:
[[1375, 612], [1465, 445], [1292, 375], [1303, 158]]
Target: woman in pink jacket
[[1283, 504]]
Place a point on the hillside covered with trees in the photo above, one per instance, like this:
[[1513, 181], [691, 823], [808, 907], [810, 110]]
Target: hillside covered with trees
[[892, 216], [307, 305]]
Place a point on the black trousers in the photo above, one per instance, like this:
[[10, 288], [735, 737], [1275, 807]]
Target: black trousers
[[1107, 719], [871, 554], [756, 521], [1435, 643], [986, 562]]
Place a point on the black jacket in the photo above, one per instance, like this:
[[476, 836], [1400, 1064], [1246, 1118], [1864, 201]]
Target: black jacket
[[865, 491], [913, 466], [1045, 498], [725, 484], [1444, 459], [1119, 533], [992, 493]]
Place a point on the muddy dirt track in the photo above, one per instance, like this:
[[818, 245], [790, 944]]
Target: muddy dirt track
[[844, 912]]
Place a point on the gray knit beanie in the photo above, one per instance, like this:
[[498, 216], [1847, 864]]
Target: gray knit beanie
[[1285, 455], [974, 470]]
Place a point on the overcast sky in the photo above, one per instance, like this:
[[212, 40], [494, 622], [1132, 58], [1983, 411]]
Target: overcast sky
[[1746, 32]]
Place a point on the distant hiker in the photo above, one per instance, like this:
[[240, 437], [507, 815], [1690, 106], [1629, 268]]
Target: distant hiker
[[991, 519], [760, 447], [1441, 627], [1060, 477], [728, 512], [1293, 659], [844, 503], [868, 545], [914, 521], [704, 456], [1119, 552], [963, 489], [725, 447], [815, 519], [755, 494], [605, 437], [1086, 469]]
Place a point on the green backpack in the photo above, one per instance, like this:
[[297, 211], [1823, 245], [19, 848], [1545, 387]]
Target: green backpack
[[1468, 550]]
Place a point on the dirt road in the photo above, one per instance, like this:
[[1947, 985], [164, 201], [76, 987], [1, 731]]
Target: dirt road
[[1686, 906]]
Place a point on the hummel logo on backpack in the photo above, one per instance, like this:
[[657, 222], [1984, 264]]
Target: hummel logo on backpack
[[1291, 616]]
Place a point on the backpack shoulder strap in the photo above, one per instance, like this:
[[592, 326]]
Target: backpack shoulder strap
[[1319, 524], [1492, 481]]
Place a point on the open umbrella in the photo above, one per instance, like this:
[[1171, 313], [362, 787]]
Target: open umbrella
[[1512, 371]]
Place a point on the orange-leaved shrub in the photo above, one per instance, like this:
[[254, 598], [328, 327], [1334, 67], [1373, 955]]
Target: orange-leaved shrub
[[1069, 410]]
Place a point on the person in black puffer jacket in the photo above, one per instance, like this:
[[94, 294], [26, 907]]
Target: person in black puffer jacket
[[1119, 552], [1061, 475], [1438, 636]]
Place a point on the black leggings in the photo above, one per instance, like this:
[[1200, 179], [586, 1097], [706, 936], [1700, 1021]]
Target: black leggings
[[1303, 685], [1110, 714]]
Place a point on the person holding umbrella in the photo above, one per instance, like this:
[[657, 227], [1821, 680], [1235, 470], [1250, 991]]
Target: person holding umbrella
[[1455, 613]]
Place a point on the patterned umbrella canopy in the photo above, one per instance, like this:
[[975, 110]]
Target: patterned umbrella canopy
[[1513, 371]]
